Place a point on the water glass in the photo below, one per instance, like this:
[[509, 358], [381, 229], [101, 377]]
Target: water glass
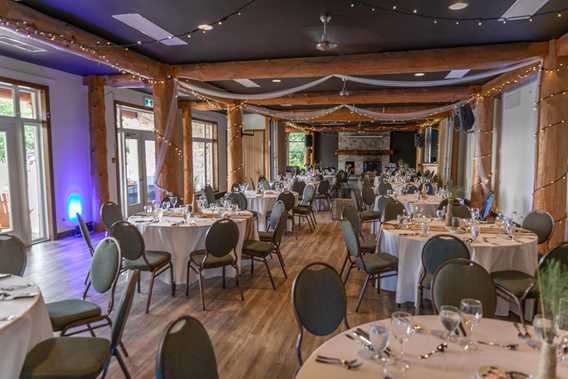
[[472, 313], [544, 327], [450, 318], [474, 230], [402, 329], [379, 336]]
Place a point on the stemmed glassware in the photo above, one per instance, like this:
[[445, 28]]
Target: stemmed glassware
[[472, 313], [402, 329], [379, 336], [450, 317]]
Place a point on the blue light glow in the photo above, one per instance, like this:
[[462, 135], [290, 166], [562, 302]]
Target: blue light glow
[[74, 206]]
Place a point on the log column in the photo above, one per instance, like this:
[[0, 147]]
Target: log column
[[187, 152], [482, 158], [97, 126], [552, 154], [234, 146], [164, 97]]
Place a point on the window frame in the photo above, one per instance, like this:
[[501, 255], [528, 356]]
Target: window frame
[[215, 144], [288, 142]]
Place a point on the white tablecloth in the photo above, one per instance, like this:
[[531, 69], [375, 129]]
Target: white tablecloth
[[262, 203], [492, 251], [181, 240], [453, 364], [19, 336]]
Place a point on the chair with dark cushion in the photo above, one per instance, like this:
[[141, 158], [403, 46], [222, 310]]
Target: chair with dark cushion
[[368, 195], [518, 286], [323, 193], [261, 250], [540, 223], [459, 279], [376, 266], [278, 209], [384, 188], [298, 186], [365, 215], [461, 211], [110, 213], [81, 357], [186, 352], [13, 255], [67, 315], [136, 257], [289, 201], [393, 209], [305, 210], [319, 301], [220, 251], [87, 238], [437, 250], [368, 243], [240, 199]]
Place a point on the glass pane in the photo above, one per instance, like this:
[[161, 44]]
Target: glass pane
[[5, 207], [296, 154], [150, 169], [27, 104], [132, 171], [6, 102], [134, 119], [198, 129], [209, 164], [198, 165], [34, 175]]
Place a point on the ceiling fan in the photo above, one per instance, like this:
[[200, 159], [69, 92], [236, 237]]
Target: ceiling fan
[[324, 44]]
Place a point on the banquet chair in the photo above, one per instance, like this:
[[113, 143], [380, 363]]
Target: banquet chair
[[136, 257], [278, 209], [299, 186], [289, 201], [540, 223], [437, 250], [376, 266], [186, 351], [240, 199], [261, 250], [518, 286], [209, 194], [428, 187], [456, 202], [68, 315], [461, 211], [81, 357], [368, 196], [221, 240], [365, 215], [318, 287], [305, 210], [13, 256], [393, 208], [110, 213], [459, 279], [323, 193], [368, 243], [384, 188], [87, 237]]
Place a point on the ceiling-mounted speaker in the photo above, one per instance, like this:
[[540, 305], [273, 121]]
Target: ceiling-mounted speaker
[[309, 141], [419, 140], [464, 119]]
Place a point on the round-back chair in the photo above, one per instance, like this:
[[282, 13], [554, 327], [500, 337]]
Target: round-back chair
[[110, 213], [13, 256], [540, 223]]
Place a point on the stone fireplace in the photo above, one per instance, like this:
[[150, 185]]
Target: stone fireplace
[[365, 151]]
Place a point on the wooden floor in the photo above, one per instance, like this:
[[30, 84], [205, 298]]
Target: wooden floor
[[252, 339]]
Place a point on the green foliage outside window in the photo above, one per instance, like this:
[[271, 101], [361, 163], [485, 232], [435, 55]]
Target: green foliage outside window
[[296, 149]]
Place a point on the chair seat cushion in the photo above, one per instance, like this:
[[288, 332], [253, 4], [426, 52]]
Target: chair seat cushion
[[212, 261], [265, 236], [369, 215], [515, 282], [65, 312], [368, 244], [155, 258], [66, 358], [303, 210], [257, 248], [377, 262]]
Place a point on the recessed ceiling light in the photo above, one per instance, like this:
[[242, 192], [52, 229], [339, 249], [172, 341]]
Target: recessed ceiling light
[[205, 27], [247, 83], [523, 9], [419, 74], [276, 80], [458, 5], [147, 27], [456, 74]]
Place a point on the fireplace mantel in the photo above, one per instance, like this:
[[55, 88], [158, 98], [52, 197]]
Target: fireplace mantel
[[360, 152]]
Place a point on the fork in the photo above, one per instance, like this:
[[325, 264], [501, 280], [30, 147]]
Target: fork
[[520, 333], [348, 364]]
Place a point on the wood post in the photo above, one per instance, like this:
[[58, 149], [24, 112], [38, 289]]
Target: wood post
[[552, 154], [282, 149], [187, 152], [234, 146], [164, 99], [482, 175], [97, 126], [419, 158]]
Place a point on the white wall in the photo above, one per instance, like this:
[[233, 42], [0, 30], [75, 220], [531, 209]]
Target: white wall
[[516, 150]]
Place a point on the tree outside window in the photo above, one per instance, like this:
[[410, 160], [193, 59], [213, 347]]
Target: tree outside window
[[296, 143]]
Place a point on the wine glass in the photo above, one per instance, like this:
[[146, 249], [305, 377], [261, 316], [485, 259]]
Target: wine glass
[[174, 201], [379, 336], [402, 329], [472, 313], [450, 318], [474, 230]]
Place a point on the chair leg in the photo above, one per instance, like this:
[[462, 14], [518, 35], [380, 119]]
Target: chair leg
[[87, 286], [420, 299], [91, 330], [139, 280], [150, 293], [173, 282], [269, 273], [187, 280], [201, 290], [123, 349], [251, 266], [122, 364], [281, 260], [362, 293], [238, 284], [347, 275], [343, 265], [224, 281]]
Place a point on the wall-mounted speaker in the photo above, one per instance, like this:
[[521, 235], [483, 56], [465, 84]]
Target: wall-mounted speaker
[[309, 140]]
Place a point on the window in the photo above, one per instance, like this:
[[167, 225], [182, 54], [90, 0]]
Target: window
[[205, 155], [296, 143]]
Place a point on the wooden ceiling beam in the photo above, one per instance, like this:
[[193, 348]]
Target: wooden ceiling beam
[[562, 46], [430, 60], [61, 35]]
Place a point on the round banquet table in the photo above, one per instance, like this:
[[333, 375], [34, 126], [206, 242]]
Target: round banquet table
[[262, 203], [180, 239], [453, 364], [493, 250], [30, 326], [427, 204]]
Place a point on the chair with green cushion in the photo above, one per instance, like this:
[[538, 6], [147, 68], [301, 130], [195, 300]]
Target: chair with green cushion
[[437, 250], [278, 209], [540, 223], [71, 314], [319, 301], [376, 266], [110, 213], [461, 211], [393, 209], [366, 215], [304, 210], [136, 257], [368, 195], [220, 251], [289, 201], [384, 188], [236, 198], [87, 237], [81, 357], [13, 256], [261, 250], [518, 286], [459, 279], [323, 193], [299, 186], [185, 351], [368, 243]]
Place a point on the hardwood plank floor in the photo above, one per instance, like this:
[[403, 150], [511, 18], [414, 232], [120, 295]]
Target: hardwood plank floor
[[252, 339]]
